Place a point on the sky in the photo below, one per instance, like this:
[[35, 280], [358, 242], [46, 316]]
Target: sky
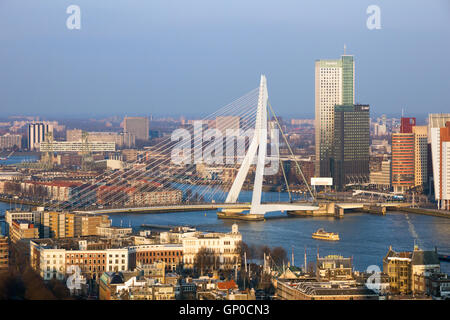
[[192, 57]]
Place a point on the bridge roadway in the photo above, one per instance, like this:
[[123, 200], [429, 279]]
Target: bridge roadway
[[170, 208], [263, 208]]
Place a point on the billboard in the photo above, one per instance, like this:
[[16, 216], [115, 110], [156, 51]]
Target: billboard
[[321, 181]]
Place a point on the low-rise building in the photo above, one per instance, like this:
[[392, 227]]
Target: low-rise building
[[404, 268], [52, 258], [4, 254], [128, 286], [23, 229], [170, 254], [329, 290], [225, 247], [334, 267]]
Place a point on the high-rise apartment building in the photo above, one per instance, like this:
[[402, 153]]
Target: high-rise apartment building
[[403, 159], [437, 120], [334, 85], [350, 153], [37, 133], [137, 126], [420, 155], [440, 149], [8, 141]]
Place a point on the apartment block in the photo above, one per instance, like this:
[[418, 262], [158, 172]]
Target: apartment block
[[403, 160], [224, 247], [420, 155], [440, 149]]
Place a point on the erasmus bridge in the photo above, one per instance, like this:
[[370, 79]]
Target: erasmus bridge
[[167, 169]]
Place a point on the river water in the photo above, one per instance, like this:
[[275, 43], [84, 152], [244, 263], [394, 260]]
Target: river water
[[364, 237]]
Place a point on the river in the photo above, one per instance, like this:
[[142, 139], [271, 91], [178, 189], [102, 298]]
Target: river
[[364, 237]]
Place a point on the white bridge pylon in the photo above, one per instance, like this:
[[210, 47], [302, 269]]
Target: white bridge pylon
[[259, 143]]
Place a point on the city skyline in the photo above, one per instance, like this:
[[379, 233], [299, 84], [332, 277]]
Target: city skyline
[[106, 68]]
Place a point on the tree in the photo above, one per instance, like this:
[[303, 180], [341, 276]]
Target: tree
[[279, 256], [204, 260]]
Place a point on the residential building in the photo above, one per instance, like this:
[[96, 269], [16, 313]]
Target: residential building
[[4, 254], [350, 150], [334, 267], [404, 267], [52, 259], [137, 126], [437, 120], [334, 85], [440, 149], [54, 224], [420, 155], [321, 290], [77, 146], [382, 178], [170, 254], [38, 133], [403, 159], [23, 229], [128, 286], [129, 155], [120, 139], [224, 247], [113, 232], [9, 141]]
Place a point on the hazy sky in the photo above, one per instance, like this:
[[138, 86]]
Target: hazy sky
[[194, 56]]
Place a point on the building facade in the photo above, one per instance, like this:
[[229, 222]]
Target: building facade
[[403, 159], [170, 254], [38, 133], [334, 85], [349, 160], [137, 126], [420, 155], [224, 247], [9, 141], [77, 146], [4, 254], [440, 149]]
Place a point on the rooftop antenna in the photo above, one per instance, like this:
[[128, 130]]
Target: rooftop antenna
[[345, 47]]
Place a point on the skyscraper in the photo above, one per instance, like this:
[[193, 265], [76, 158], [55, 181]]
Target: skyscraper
[[350, 152], [403, 158], [334, 85], [440, 148], [420, 155], [137, 126], [37, 133]]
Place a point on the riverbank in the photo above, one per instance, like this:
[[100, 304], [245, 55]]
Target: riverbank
[[20, 201], [428, 212]]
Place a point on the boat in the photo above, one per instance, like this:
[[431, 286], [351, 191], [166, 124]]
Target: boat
[[323, 235], [444, 257]]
